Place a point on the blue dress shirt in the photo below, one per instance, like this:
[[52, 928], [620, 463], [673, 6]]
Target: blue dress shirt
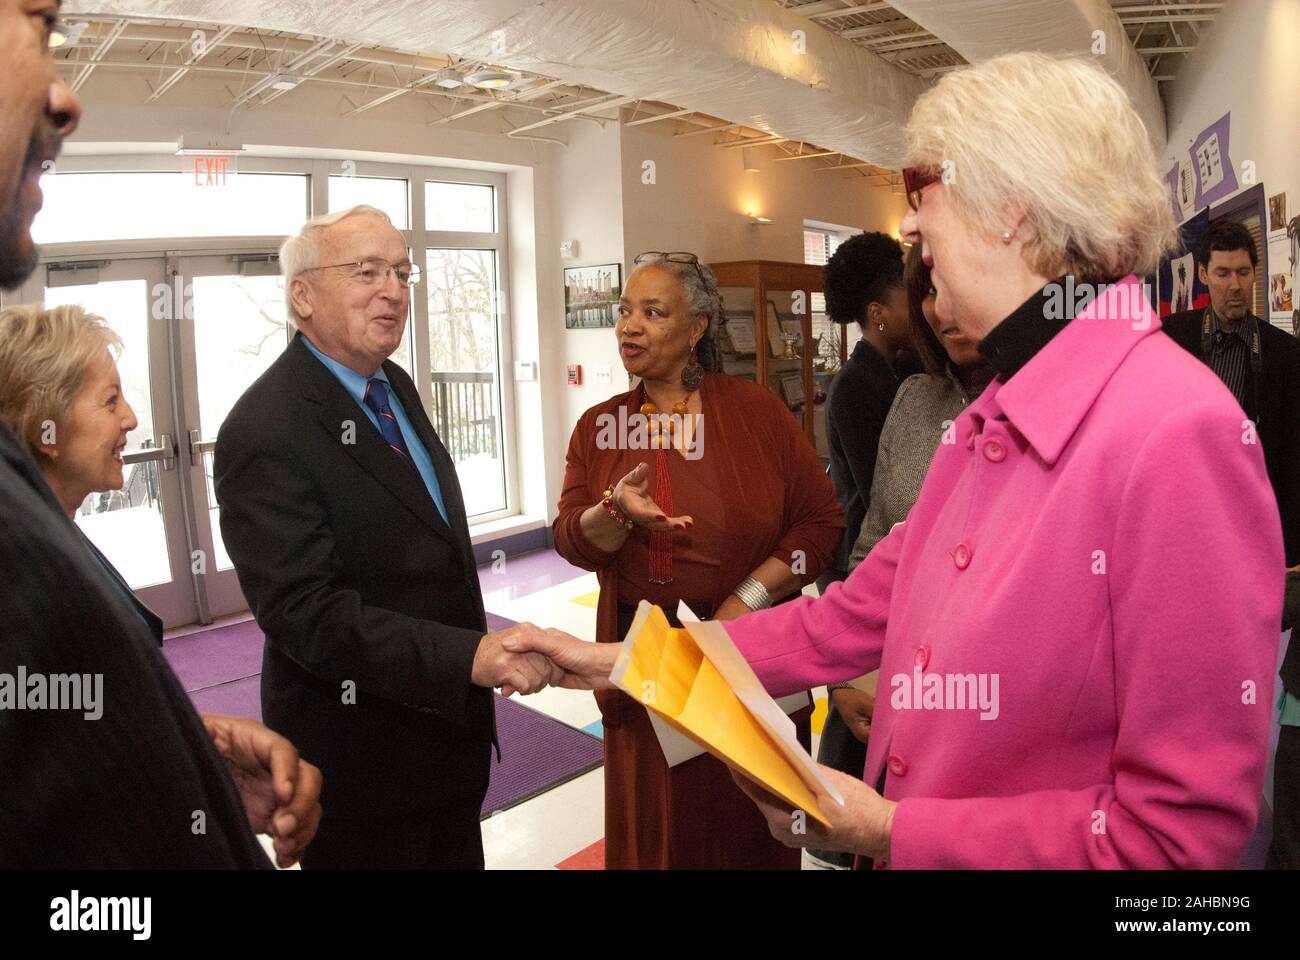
[[355, 384]]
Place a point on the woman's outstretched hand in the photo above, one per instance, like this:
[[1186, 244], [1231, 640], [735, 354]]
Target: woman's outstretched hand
[[631, 497]]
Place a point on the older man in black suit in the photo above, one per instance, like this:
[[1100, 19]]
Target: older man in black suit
[[135, 778], [343, 515]]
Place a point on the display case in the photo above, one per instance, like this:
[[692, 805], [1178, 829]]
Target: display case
[[774, 333]]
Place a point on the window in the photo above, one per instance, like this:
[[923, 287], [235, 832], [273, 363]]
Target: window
[[819, 245], [135, 206], [459, 207], [386, 193], [464, 352], [464, 264]]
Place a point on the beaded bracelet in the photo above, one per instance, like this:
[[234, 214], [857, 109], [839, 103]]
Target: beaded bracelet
[[614, 512]]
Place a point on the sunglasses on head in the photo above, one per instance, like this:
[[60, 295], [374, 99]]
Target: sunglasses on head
[[677, 256]]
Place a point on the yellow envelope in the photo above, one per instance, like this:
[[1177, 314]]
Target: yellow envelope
[[698, 683]]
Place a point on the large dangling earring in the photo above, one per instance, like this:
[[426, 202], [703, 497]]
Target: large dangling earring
[[692, 373]]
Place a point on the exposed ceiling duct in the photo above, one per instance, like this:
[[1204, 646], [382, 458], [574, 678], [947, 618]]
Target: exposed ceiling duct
[[748, 61], [982, 29]]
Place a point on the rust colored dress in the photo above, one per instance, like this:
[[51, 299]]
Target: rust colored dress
[[756, 491]]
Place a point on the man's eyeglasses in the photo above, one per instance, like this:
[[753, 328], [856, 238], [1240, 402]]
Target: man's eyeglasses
[[916, 179], [374, 271], [677, 256]]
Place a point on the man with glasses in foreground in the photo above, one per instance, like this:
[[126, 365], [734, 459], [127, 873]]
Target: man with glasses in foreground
[[342, 512]]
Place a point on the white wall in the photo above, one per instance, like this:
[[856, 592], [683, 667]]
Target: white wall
[[701, 194], [1248, 63], [589, 196]]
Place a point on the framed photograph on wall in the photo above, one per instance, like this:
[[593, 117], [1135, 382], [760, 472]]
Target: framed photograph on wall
[[591, 295]]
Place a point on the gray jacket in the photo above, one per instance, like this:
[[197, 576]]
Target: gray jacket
[[923, 411]]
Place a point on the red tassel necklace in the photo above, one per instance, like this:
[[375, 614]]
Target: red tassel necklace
[[661, 541]]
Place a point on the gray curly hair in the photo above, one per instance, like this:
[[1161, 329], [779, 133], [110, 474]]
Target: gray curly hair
[[702, 296]]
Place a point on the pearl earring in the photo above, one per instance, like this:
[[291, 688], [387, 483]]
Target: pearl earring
[[1006, 236]]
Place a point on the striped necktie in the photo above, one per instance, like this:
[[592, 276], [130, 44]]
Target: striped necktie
[[377, 400]]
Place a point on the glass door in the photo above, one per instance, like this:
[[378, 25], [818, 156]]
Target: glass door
[[233, 327], [141, 528]]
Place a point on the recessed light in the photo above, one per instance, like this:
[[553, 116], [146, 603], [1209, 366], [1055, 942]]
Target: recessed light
[[490, 79]]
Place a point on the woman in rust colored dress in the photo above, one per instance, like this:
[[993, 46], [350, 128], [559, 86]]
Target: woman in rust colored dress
[[719, 501]]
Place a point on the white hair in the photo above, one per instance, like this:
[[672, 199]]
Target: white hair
[[1059, 140], [301, 252]]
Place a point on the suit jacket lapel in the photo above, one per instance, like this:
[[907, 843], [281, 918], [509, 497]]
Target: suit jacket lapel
[[369, 449], [443, 466]]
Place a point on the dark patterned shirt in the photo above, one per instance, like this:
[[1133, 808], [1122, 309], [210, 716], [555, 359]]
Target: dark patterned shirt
[[1229, 354]]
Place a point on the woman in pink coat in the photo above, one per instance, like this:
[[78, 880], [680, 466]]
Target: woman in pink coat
[[1076, 628]]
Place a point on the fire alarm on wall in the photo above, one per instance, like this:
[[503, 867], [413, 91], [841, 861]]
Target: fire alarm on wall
[[575, 374]]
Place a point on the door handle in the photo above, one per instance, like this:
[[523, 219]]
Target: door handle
[[165, 453], [199, 446]]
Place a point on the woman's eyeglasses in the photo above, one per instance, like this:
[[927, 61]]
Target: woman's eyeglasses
[[916, 179], [677, 256], [374, 271]]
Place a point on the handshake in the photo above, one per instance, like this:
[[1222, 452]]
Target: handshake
[[525, 659]]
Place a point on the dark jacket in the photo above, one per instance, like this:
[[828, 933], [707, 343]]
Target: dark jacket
[[857, 403], [370, 603], [1277, 418], [124, 790]]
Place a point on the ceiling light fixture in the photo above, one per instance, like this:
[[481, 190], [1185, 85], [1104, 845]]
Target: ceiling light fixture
[[490, 79]]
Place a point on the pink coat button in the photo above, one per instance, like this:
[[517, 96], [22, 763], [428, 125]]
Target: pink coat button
[[961, 555], [922, 657], [994, 450], [897, 765]]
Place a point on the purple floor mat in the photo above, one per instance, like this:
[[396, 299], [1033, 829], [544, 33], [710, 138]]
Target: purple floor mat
[[238, 698], [537, 753], [221, 668], [217, 655]]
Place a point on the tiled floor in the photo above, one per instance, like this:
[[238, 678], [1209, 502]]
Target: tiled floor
[[563, 827]]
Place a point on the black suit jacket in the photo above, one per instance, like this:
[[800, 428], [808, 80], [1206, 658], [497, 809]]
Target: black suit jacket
[[369, 601], [1278, 427], [122, 790]]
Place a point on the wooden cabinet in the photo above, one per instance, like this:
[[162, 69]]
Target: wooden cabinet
[[767, 335]]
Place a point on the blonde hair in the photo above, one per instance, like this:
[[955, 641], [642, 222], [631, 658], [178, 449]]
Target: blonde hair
[[1058, 140], [44, 356], [301, 252]]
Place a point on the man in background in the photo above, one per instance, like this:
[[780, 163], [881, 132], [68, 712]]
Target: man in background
[[1260, 364]]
